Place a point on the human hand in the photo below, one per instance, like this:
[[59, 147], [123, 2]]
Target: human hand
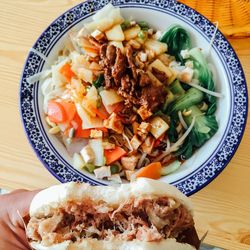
[[13, 206]]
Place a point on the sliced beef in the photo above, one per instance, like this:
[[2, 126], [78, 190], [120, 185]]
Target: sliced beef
[[119, 68], [132, 66], [152, 97], [111, 55], [144, 79]]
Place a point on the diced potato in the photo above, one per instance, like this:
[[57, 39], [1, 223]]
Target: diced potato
[[92, 94], [110, 97], [78, 162], [155, 81], [115, 34], [118, 45], [85, 74], [156, 46], [131, 32], [159, 126], [158, 64]]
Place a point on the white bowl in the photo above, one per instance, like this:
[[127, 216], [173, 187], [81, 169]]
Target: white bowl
[[210, 159]]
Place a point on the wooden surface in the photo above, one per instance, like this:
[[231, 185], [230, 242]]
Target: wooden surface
[[223, 207]]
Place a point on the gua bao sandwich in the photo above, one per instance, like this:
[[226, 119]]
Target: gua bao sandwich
[[143, 215]]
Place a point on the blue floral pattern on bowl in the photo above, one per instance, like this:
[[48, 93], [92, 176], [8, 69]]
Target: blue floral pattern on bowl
[[34, 63]]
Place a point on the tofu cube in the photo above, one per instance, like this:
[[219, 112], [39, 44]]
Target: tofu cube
[[148, 145], [158, 64], [129, 162], [135, 142], [144, 113], [158, 127], [94, 133]]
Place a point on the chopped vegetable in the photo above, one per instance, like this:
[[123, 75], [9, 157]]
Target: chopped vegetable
[[114, 169], [191, 97], [156, 46], [87, 154], [97, 148], [204, 128], [99, 81], [78, 161], [70, 110], [142, 34], [67, 72], [144, 25], [102, 172], [176, 88], [152, 171], [125, 24], [56, 112], [115, 34], [177, 40], [131, 32], [89, 167], [172, 167], [114, 154]]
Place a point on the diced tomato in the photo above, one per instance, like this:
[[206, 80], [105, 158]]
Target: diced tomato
[[113, 155]]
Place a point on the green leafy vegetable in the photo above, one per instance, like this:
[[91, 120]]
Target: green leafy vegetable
[[169, 98], [99, 81], [191, 97], [205, 126], [114, 169], [203, 73], [176, 88], [172, 133], [177, 39], [89, 167]]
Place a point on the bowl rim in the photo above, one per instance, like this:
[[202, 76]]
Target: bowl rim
[[129, 4]]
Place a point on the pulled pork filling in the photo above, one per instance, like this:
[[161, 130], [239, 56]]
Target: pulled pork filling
[[145, 219]]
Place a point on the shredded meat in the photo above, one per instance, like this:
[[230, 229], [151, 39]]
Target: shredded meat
[[127, 115], [144, 219], [94, 42]]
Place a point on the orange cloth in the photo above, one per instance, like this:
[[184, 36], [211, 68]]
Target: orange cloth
[[233, 16]]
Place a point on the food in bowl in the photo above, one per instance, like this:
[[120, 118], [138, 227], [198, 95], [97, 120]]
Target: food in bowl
[[129, 101], [145, 214]]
